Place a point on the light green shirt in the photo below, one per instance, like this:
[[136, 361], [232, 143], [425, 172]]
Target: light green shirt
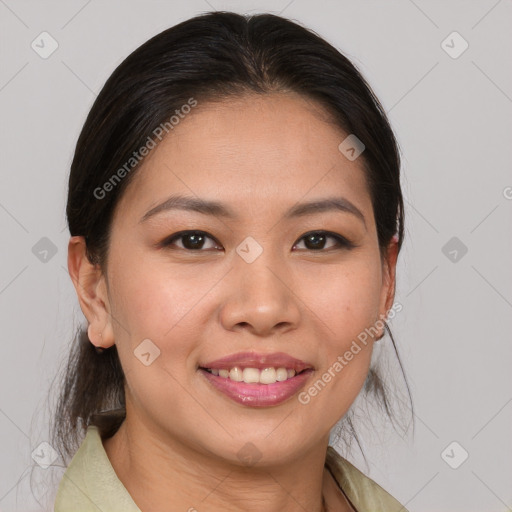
[[90, 483]]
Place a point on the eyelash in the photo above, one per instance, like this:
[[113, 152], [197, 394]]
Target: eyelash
[[341, 241]]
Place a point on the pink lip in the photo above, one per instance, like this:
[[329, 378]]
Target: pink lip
[[260, 361], [258, 395]]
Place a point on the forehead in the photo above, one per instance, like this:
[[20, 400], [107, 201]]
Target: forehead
[[251, 152]]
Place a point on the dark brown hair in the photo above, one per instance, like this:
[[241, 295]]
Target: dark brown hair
[[211, 57]]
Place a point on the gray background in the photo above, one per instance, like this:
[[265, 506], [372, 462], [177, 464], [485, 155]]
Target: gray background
[[452, 117]]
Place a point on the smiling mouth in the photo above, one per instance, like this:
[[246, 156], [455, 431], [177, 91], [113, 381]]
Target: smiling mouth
[[269, 375], [255, 387]]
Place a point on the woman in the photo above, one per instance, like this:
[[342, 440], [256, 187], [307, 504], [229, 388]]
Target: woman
[[235, 215]]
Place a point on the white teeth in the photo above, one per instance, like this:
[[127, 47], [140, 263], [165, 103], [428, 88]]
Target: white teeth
[[251, 375], [281, 374], [236, 374], [268, 375]]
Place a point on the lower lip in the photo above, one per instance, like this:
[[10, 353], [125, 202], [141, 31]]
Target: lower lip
[[258, 395]]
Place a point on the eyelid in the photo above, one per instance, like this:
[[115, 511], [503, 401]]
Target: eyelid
[[342, 241], [167, 241]]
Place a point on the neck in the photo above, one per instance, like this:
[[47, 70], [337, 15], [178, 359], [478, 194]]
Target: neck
[[157, 470]]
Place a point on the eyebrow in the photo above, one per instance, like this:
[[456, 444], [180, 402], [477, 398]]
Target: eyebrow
[[215, 208]]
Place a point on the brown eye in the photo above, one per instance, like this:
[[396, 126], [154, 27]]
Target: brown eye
[[199, 241], [316, 241], [190, 240]]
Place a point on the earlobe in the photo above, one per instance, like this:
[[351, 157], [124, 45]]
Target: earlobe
[[89, 283]]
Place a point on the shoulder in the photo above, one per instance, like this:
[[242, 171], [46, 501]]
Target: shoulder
[[90, 482], [364, 494]]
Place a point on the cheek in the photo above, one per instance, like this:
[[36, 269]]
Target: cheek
[[152, 300], [152, 305], [346, 298]]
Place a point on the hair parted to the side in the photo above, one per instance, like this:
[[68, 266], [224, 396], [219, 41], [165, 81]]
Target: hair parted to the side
[[211, 57]]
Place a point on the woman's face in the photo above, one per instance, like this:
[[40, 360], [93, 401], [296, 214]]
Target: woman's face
[[253, 283]]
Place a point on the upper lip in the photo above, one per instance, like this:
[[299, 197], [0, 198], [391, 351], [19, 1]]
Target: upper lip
[[260, 361]]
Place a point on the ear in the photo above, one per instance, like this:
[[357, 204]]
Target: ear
[[90, 286], [388, 279]]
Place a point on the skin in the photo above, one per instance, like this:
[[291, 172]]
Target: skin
[[259, 155]]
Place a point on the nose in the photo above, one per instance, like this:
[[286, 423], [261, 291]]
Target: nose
[[259, 297]]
